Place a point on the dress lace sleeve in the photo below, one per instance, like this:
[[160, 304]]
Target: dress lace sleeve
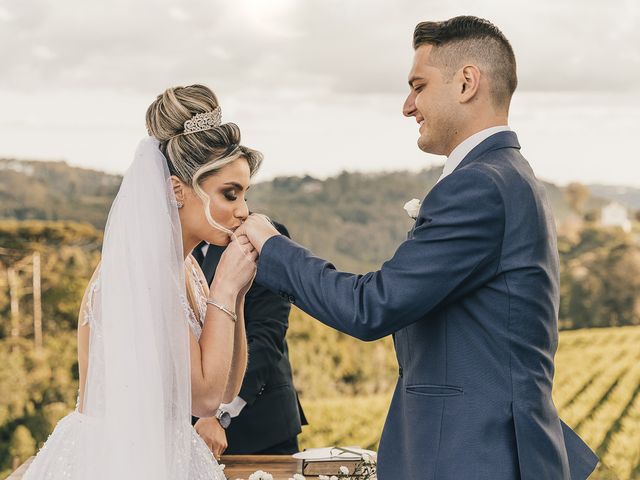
[[87, 312], [199, 288]]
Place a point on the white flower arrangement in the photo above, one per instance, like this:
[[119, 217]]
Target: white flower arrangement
[[260, 475], [413, 208]]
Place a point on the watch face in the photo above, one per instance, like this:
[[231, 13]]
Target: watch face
[[224, 418]]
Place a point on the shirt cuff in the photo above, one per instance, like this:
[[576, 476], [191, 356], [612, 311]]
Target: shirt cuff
[[235, 407]]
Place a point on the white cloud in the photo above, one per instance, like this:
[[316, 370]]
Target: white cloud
[[43, 52], [360, 46], [316, 84], [179, 14], [6, 15]]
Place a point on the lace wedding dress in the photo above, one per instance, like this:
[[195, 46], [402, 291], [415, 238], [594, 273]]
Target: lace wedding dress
[[58, 457], [135, 422]]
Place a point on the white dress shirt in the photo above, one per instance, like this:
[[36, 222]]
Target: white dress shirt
[[237, 404], [462, 150]]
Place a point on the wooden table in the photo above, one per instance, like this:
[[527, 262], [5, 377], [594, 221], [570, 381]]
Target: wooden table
[[282, 467]]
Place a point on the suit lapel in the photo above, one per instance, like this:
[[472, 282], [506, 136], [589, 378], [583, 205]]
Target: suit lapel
[[210, 262]]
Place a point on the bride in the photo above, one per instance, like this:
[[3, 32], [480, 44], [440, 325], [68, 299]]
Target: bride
[[154, 343]]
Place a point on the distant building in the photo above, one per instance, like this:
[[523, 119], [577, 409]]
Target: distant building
[[615, 215]]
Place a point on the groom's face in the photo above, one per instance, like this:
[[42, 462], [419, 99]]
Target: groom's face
[[432, 103]]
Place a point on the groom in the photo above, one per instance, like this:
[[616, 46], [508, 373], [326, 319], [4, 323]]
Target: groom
[[471, 297]]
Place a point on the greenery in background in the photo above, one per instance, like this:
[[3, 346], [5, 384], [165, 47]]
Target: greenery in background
[[69, 251], [38, 389], [355, 220], [600, 278], [55, 191]]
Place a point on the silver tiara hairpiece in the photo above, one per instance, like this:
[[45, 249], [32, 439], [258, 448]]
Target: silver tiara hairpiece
[[203, 121]]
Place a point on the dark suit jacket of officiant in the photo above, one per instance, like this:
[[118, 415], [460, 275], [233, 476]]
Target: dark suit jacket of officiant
[[471, 298], [273, 413]]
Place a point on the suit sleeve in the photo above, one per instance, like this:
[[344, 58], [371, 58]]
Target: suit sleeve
[[267, 320], [455, 248]]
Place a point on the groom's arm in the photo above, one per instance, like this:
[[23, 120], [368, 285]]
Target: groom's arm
[[455, 248]]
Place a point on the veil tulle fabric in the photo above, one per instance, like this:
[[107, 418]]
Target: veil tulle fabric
[[138, 382]]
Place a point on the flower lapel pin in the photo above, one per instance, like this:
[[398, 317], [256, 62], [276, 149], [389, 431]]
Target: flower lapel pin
[[413, 208]]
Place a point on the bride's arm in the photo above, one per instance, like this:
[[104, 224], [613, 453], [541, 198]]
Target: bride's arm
[[223, 341], [84, 333], [211, 356], [239, 361]]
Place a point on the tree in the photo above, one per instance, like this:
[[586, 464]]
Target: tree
[[600, 280], [577, 195], [21, 446]]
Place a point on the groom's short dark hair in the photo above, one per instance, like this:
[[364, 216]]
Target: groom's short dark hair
[[466, 38]]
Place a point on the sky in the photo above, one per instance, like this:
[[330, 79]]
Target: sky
[[316, 85]]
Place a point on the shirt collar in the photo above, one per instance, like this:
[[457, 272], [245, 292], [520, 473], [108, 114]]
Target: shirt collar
[[463, 149]]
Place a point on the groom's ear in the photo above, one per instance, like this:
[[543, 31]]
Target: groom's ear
[[468, 78], [178, 188]]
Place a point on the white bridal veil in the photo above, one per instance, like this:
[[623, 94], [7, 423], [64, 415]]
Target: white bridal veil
[[138, 394]]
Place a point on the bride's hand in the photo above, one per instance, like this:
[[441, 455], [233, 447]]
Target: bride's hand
[[237, 267]]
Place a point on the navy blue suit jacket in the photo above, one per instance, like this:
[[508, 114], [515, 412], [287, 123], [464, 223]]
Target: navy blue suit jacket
[[471, 299]]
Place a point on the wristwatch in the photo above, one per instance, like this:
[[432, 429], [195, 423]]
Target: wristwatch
[[223, 417]]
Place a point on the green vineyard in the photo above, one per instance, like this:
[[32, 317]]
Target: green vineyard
[[597, 392], [345, 387]]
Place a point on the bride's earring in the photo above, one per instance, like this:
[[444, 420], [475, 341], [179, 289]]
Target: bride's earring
[[179, 204]]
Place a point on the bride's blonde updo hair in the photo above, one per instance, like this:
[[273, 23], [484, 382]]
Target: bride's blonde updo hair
[[193, 157]]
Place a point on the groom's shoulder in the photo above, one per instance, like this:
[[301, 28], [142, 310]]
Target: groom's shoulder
[[503, 169], [477, 174], [470, 185], [509, 173]]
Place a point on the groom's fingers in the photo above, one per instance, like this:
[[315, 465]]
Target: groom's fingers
[[241, 231], [260, 217], [243, 239], [245, 244]]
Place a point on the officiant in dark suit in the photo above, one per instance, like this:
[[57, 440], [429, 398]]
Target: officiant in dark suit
[[266, 416]]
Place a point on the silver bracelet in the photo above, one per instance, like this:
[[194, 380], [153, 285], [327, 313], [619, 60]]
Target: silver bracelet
[[232, 314]]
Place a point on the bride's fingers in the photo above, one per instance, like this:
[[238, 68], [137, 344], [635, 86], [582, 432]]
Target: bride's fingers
[[253, 256]]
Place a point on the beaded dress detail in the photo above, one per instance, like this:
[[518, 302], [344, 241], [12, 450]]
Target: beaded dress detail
[[58, 458]]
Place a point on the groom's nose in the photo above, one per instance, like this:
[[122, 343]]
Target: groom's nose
[[409, 107]]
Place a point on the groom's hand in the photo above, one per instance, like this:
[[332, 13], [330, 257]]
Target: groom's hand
[[213, 435], [258, 229]]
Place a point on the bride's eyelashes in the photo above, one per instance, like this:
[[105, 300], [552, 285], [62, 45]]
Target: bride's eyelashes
[[230, 195]]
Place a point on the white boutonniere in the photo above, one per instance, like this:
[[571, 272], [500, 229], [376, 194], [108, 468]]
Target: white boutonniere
[[413, 208]]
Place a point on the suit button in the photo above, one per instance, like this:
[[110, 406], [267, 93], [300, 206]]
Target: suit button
[[400, 372], [292, 299]]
